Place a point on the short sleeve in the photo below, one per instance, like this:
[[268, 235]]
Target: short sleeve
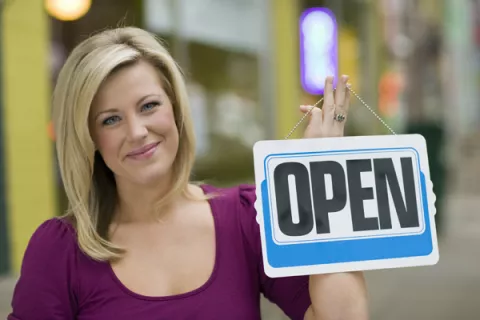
[[46, 286], [291, 294]]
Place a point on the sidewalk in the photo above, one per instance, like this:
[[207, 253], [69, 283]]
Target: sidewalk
[[6, 288], [447, 291]]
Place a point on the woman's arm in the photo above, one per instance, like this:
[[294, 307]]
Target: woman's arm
[[338, 296]]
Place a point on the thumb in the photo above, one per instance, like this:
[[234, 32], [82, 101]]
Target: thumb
[[305, 108]]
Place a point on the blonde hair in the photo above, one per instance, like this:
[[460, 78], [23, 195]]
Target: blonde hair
[[88, 182]]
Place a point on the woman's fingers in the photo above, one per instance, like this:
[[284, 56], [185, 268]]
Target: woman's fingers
[[328, 104], [340, 95], [315, 127], [316, 119], [342, 104], [330, 120]]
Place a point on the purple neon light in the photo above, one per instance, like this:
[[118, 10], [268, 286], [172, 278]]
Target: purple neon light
[[318, 49]]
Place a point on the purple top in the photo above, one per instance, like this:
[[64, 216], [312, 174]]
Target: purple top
[[58, 281]]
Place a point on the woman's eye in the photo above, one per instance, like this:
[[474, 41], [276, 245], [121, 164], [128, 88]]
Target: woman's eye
[[149, 106], [111, 120]]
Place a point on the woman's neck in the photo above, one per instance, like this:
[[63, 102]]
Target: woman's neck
[[137, 203]]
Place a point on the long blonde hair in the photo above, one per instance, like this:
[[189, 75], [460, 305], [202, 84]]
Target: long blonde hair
[[89, 183]]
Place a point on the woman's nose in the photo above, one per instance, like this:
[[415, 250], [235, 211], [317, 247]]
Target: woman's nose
[[137, 130]]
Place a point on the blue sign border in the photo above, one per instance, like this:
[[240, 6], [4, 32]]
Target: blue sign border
[[341, 251]]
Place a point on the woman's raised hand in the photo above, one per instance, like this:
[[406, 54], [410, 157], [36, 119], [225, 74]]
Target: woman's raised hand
[[330, 120]]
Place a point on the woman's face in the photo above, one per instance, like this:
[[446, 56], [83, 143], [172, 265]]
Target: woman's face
[[133, 126]]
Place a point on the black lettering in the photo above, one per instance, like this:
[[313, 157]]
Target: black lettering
[[284, 207], [407, 210], [358, 194], [322, 205]]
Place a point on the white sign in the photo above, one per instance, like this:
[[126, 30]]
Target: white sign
[[344, 204]]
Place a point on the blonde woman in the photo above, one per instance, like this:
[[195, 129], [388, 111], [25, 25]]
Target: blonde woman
[[140, 241]]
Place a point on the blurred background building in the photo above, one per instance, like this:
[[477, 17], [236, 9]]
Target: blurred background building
[[415, 62]]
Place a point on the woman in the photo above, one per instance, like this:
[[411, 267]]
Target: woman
[[140, 241]]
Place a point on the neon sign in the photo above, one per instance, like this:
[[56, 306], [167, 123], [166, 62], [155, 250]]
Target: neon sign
[[318, 49]]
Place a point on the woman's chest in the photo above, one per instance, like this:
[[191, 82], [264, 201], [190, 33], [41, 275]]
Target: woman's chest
[[165, 270], [167, 259], [226, 295]]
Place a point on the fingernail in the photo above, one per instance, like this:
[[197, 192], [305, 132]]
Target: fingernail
[[345, 78]]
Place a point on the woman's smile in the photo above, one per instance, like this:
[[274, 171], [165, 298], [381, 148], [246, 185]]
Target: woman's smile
[[143, 153]]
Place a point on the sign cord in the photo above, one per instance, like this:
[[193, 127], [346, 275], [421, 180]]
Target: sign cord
[[321, 99]]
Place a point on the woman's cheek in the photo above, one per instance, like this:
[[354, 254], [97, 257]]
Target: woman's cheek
[[166, 121], [107, 144]]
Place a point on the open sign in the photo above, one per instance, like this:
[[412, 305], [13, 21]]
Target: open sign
[[344, 204]]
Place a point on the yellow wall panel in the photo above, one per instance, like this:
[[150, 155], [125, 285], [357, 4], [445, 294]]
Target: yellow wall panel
[[285, 15], [30, 187]]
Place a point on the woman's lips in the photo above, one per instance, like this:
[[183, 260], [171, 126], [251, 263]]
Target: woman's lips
[[144, 152]]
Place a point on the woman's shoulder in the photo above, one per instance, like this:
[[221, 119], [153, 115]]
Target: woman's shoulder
[[237, 198], [47, 286], [238, 192], [237, 205], [55, 229], [51, 240]]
